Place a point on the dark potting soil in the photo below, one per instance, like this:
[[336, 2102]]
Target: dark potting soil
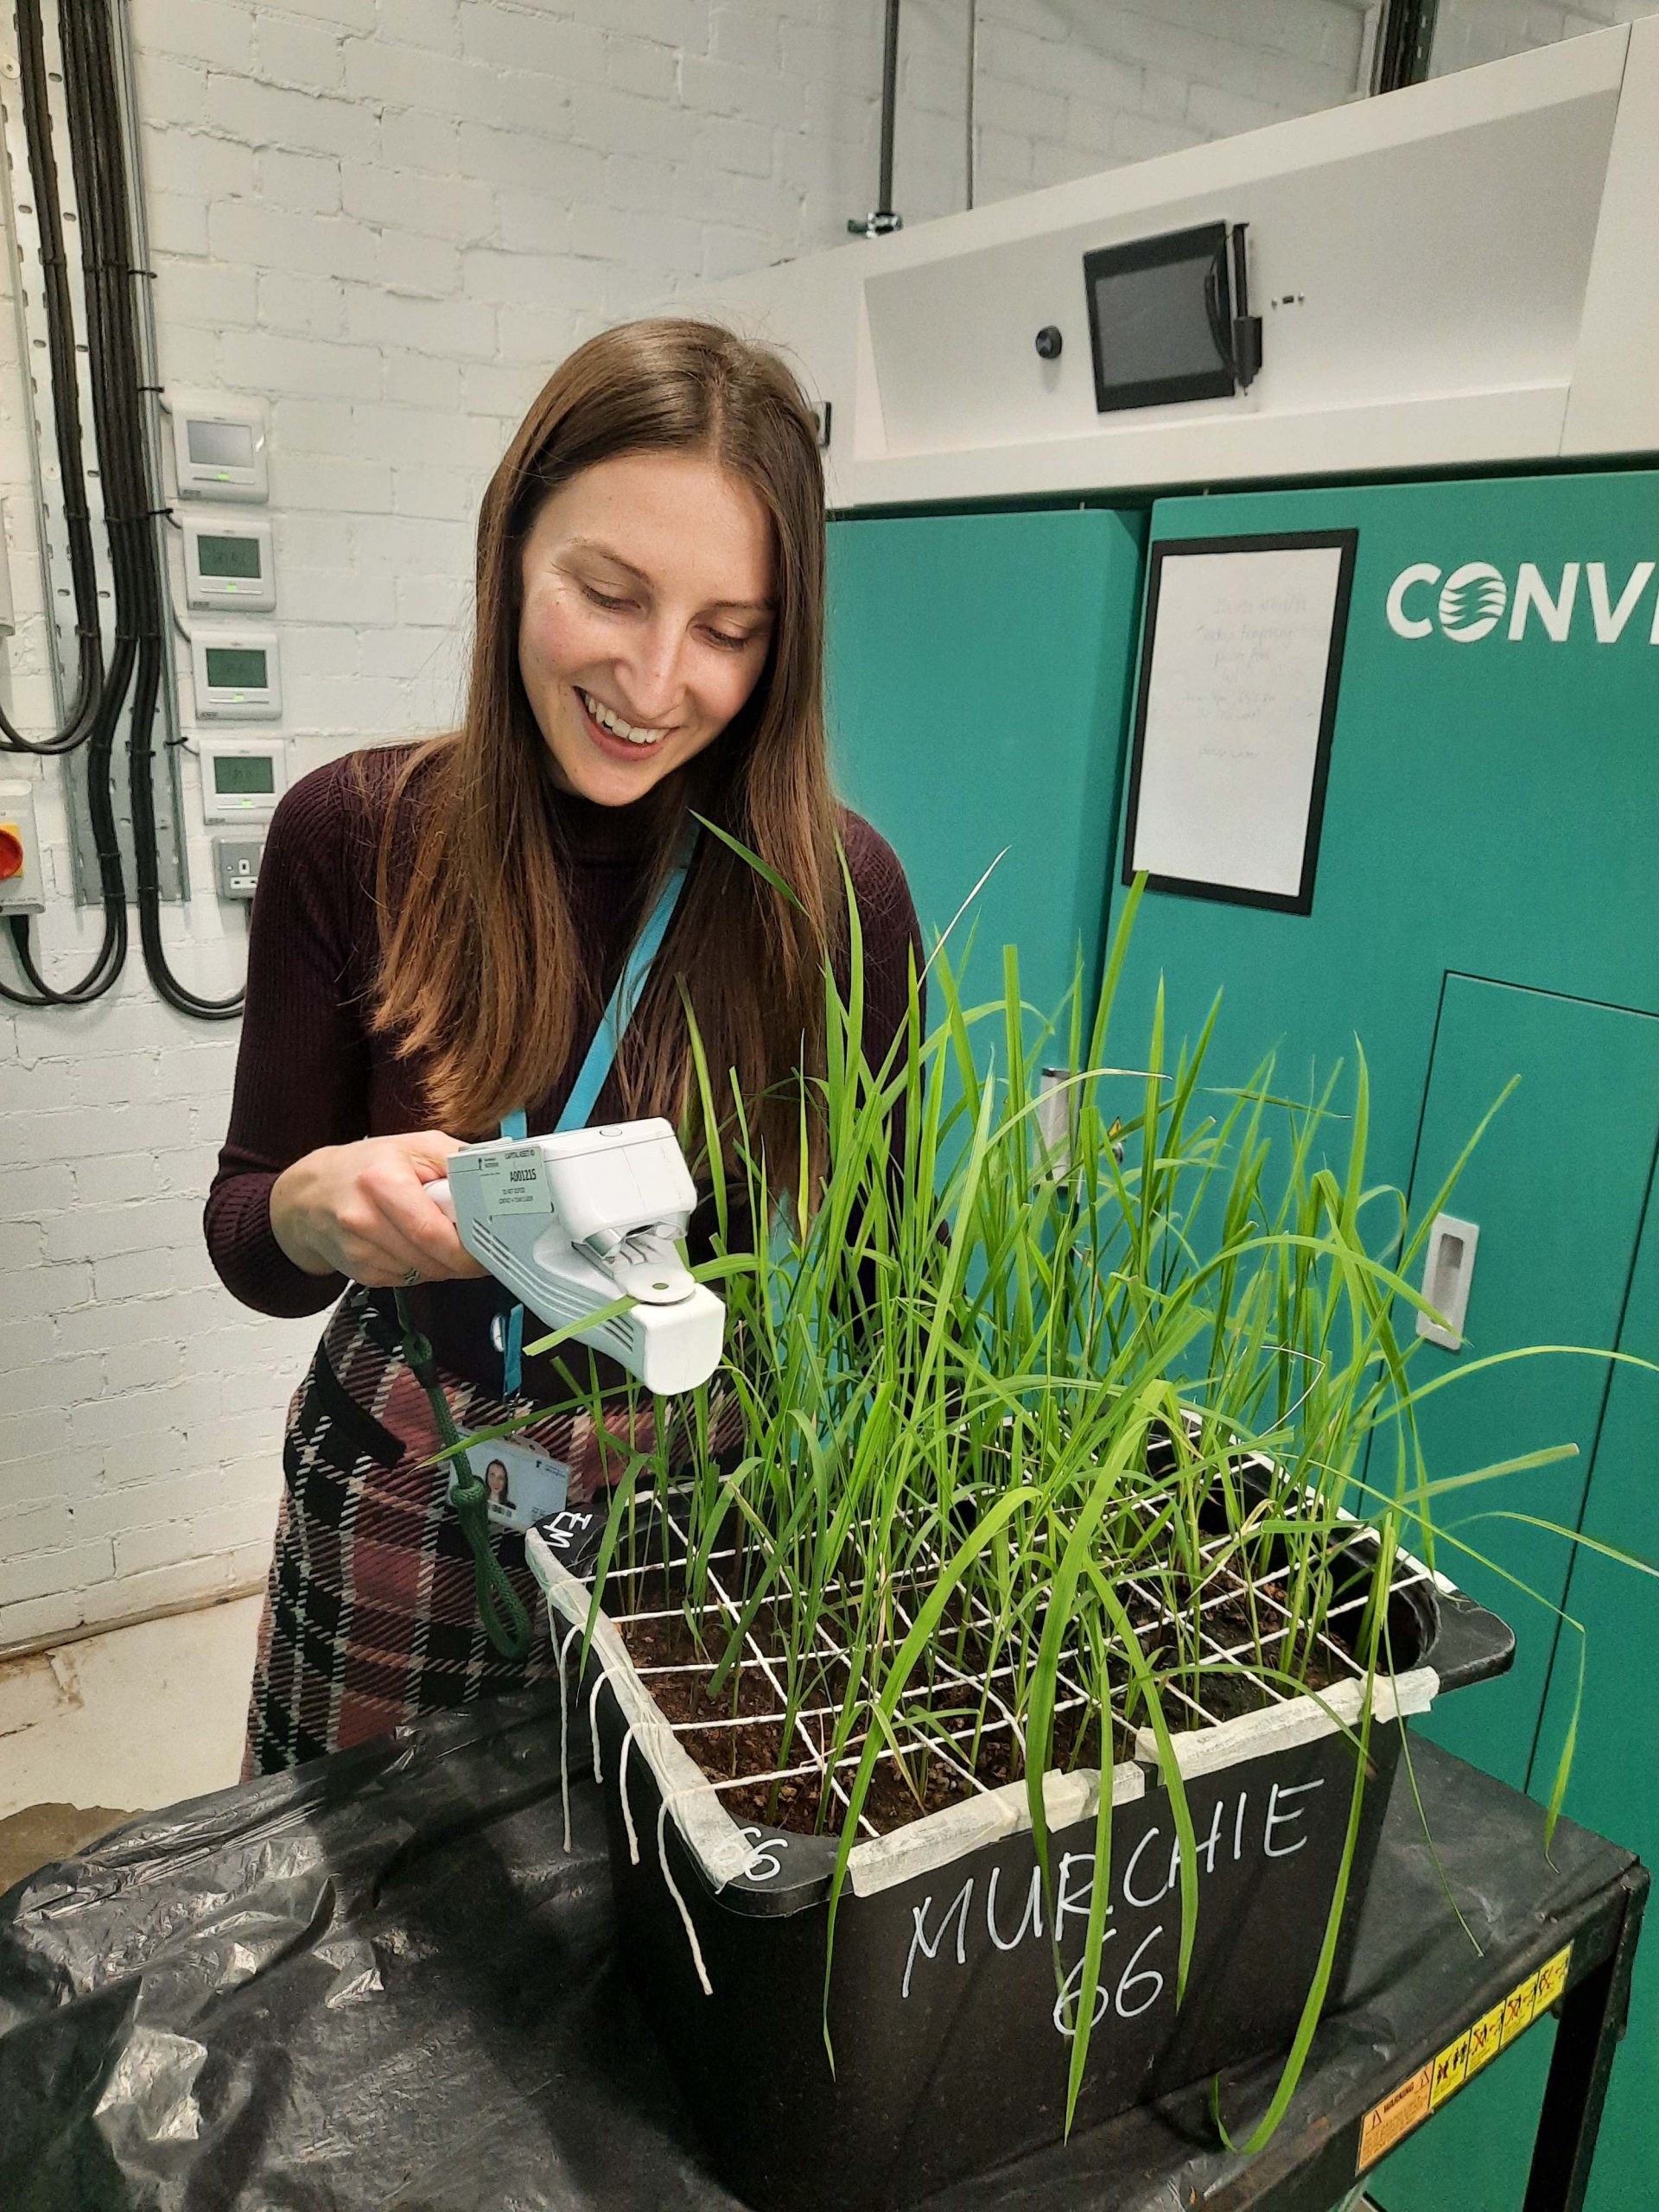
[[1229, 1689], [736, 1735], [928, 1781], [738, 1728]]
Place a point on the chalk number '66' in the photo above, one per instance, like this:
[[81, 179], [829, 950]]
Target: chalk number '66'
[[1138, 1987]]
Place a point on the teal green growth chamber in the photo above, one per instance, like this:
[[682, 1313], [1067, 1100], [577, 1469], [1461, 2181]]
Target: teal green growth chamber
[[1485, 907]]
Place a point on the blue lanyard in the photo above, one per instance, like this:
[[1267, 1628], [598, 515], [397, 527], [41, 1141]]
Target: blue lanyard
[[594, 1070]]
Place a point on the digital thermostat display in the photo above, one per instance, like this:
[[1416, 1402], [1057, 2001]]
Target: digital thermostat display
[[218, 447], [242, 778], [244, 775], [229, 556], [236, 667], [227, 563], [236, 675]]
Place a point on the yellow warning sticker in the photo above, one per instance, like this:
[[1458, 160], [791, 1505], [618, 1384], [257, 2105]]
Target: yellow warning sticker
[[1445, 2075], [1385, 2124], [1483, 2041], [1552, 1979], [1450, 2070], [1518, 2008]]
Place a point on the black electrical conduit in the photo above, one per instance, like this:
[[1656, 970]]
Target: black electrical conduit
[[96, 150], [66, 395], [97, 142], [1405, 44], [100, 693]]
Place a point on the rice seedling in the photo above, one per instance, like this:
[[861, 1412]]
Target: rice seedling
[[1026, 1458]]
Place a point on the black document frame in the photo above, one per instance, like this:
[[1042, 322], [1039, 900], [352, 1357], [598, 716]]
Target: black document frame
[[1346, 542]]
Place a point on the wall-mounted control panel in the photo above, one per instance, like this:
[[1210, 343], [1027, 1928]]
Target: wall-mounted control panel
[[237, 677], [227, 563], [219, 447], [22, 875], [1169, 318], [242, 778]]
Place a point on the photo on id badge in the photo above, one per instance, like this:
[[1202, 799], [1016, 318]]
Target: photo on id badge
[[521, 1486]]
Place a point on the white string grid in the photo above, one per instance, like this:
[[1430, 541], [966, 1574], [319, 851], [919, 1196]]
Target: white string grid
[[1206, 1650]]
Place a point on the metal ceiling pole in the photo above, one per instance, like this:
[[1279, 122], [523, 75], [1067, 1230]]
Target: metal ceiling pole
[[1405, 44], [882, 219], [973, 79]]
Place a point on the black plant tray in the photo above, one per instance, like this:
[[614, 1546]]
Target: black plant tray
[[948, 2054]]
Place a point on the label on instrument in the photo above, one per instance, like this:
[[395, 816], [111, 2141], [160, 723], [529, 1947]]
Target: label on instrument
[[1433, 2085], [514, 1180]]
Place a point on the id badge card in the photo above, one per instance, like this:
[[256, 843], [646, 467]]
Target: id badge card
[[521, 1484]]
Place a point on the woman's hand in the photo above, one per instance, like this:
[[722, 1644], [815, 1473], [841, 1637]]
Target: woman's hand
[[362, 1210]]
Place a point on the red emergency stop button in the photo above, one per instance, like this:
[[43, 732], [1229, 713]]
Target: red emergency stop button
[[13, 857]]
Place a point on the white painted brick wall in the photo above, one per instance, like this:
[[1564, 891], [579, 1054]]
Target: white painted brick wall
[[1469, 32], [390, 218]]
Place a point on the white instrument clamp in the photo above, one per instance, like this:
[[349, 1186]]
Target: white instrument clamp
[[570, 1224]]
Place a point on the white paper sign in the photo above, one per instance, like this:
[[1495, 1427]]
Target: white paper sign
[[1231, 716]]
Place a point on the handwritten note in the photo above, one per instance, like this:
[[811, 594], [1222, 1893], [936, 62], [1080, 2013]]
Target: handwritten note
[[963, 1926], [1228, 752]]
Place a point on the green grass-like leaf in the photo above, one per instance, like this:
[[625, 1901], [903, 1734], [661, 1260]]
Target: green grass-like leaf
[[967, 1409]]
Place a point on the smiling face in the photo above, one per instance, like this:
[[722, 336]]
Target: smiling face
[[647, 590]]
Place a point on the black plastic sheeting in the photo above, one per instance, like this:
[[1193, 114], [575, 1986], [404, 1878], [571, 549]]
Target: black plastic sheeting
[[382, 1982]]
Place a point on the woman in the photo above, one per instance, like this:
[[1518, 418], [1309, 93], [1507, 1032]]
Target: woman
[[439, 926], [497, 1497]]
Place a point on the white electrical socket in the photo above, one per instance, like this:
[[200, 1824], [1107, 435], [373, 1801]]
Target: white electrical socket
[[22, 871]]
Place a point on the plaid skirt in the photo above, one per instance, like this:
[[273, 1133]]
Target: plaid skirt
[[370, 1614]]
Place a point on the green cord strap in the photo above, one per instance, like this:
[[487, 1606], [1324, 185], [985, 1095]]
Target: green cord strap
[[506, 1622]]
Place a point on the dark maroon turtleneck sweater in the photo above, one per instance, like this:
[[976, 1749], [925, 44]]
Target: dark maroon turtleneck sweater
[[311, 1072]]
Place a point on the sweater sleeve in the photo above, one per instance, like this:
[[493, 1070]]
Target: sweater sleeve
[[890, 931], [303, 1068]]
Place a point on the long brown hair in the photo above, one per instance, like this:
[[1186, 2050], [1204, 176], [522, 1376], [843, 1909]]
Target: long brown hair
[[479, 973]]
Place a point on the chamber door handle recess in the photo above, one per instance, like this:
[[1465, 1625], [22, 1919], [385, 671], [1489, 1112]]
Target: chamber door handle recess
[[1447, 1271]]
